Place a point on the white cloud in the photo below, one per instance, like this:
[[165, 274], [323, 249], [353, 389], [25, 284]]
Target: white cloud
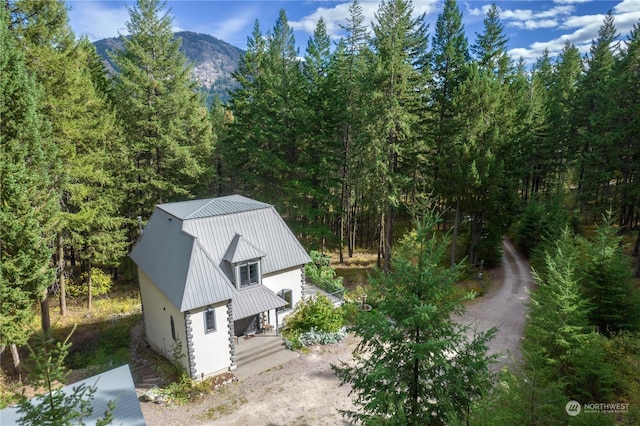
[[98, 20], [627, 6], [336, 16], [532, 24], [571, 1]]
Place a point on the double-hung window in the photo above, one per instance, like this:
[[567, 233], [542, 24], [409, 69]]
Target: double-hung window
[[249, 274]]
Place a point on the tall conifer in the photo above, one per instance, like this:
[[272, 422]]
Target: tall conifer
[[28, 203]]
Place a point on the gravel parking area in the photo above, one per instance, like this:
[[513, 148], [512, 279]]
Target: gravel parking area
[[303, 391]]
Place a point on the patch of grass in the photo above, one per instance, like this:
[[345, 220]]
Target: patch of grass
[[186, 390], [9, 392], [102, 346], [225, 408]]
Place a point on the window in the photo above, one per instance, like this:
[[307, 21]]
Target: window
[[209, 320], [288, 296], [173, 328], [249, 274]]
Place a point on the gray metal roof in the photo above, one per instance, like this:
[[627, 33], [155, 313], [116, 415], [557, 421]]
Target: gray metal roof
[[253, 300], [113, 385], [195, 209], [241, 250], [178, 264], [187, 248]]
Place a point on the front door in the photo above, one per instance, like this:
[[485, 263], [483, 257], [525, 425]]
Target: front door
[[245, 326]]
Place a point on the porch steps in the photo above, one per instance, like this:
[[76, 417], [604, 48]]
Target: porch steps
[[144, 376], [260, 354]]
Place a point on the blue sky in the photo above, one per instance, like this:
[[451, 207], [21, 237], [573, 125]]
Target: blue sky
[[530, 25]]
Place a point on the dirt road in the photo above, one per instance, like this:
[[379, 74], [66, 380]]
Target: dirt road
[[504, 306]]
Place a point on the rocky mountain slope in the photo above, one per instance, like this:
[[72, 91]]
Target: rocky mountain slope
[[213, 60]]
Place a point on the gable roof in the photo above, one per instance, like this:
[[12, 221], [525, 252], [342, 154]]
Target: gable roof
[[113, 385], [241, 250], [188, 248]]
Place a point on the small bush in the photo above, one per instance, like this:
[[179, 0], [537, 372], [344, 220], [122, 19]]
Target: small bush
[[318, 315], [100, 284], [186, 390]]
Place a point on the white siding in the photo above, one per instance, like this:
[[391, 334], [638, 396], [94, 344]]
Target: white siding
[[290, 279], [157, 313], [212, 351]]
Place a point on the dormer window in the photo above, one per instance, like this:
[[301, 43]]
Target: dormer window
[[248, 274]]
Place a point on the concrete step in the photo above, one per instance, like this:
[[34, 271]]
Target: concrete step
[[258, 349]]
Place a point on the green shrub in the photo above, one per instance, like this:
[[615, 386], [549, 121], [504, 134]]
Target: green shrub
[[321, 274], [316, 314], [100, 284]]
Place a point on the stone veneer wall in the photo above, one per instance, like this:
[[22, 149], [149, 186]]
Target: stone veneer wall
[[232, 340], [303, 284], [190, 346]]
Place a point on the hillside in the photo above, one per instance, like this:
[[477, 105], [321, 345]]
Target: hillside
[[213, 60]]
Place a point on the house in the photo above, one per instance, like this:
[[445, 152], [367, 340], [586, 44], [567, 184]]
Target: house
[[114, 385], [212, 270]]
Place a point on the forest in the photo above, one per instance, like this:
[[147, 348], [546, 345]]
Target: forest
[[345, 139]]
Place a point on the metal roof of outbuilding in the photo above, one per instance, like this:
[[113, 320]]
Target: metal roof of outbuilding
[[113, 385]]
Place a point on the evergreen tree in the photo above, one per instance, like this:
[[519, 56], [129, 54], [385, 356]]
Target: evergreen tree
[[606, 277], [399, 43], [449, 60], [85, 133], [28, 204], [490, 47], [265, 135], [349, 66], [242, 144], [320, 152], [596, 161], [414, 364], [479, 150], [163, 116], [55, 407], [560, 345], [566, 74], [626, 129]]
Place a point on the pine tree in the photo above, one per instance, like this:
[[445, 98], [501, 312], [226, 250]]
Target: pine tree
[[320, 153], [163, 116], [490, 47], [399, 44], [596, 161], [449, 60], [28, 205], [55, 407], [607, 281], [242, 143], [626, 128], [566, 73], [349, 64], [414, 364]]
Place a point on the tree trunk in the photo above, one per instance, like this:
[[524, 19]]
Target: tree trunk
[[89, 283], [454, 239], [61, 271], [45, 317], [387, 239], [17, 366]]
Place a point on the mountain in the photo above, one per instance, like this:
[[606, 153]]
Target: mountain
[[213, 60]]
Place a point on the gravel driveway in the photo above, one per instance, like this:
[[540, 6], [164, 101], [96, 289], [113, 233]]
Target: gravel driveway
[[305, 391]]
